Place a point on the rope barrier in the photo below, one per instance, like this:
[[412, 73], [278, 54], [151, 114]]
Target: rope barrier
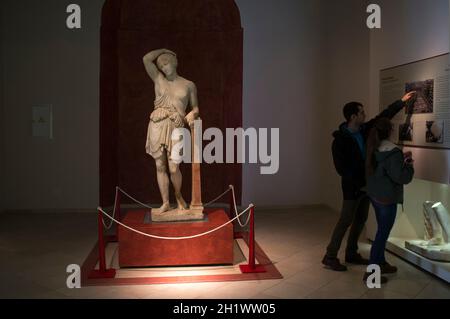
[[132, 198], [218, 197], [174, 238], [206, 205], [235, 210], [230, 188], [114, 212], [110, 273]]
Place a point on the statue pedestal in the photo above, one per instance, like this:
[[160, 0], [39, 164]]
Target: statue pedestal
[[175, 215], [136, 250], [437, 253]]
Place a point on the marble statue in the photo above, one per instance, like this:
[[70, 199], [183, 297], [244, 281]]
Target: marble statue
[[174, 94], [436, 242]]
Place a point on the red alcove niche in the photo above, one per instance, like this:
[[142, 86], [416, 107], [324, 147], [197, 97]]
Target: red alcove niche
[[208, 39]]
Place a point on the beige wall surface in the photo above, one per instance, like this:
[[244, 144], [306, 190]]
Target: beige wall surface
[[46, 63], [345, 79], [282, 89], [302, 61]]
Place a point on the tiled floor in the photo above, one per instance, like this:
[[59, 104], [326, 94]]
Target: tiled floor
[[35, 250]]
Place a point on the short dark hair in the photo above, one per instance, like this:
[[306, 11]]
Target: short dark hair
[[350, 109]]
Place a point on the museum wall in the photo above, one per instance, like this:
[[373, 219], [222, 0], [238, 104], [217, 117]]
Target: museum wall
[[2, 131], [345, 78], [49, 64], [46, 63], [282, 89], [302, 61], [402, 40]]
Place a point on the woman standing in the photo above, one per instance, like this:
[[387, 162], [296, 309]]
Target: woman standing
[[388, 170]]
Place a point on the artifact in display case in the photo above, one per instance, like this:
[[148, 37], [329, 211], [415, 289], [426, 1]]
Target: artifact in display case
[[436, 242]]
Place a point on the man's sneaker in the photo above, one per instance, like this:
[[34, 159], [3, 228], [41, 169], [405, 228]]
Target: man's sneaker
[[333, 264], [356, 259], [388, 269], [383, 279]]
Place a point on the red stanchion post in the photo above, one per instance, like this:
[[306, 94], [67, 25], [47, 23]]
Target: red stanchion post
[[252, 267], [101, 244], [102, 272], [118, 211], [231, 210], [251, 240]]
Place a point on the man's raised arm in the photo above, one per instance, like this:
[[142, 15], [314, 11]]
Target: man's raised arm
[[392, 109]]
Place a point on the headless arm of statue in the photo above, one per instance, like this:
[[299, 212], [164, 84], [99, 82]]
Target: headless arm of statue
[[149, 62]]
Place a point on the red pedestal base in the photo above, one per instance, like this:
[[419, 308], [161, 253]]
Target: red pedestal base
[[136, 250], [247, 269], [108, 273]]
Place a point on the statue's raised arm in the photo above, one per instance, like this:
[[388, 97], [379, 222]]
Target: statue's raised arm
[[149, 62]]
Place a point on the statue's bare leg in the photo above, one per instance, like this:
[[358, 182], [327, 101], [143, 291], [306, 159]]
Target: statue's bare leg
[[177, 179], [443, 217], [163, 182]]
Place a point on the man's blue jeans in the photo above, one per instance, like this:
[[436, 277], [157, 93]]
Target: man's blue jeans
[[385, 215]]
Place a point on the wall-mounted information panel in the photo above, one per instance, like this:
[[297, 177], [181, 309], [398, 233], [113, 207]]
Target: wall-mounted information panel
[[424, 125]]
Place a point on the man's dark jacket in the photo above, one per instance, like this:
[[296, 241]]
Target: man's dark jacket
[[347, 157]]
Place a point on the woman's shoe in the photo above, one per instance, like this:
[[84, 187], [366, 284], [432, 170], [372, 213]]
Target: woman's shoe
[[388, 269]]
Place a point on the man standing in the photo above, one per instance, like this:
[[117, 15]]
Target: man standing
[[349, 153]]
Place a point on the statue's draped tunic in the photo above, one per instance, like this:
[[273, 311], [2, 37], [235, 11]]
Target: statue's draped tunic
[[163, 120]]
